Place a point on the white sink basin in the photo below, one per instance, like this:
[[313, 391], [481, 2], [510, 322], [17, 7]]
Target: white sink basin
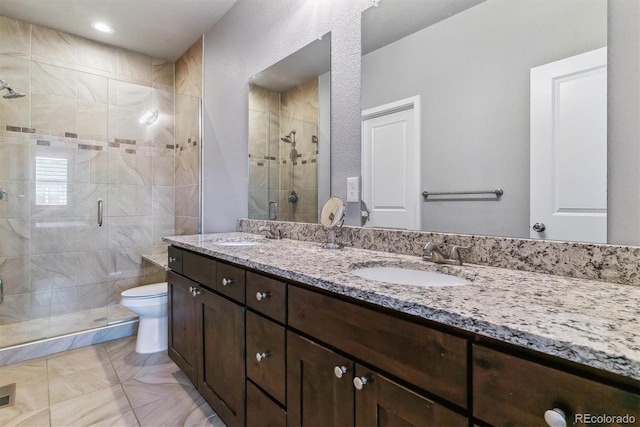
[[409, 276], [239, 243]]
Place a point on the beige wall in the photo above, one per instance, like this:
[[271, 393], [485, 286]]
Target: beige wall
[[82, 105]]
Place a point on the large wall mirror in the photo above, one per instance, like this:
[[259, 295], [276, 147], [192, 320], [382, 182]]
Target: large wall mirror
[[289, 136], [504, 97]]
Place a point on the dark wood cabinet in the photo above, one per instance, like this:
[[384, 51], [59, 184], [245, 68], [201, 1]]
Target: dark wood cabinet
[[315, 396], [182, 324], [220, 351], [381, 402], [266, 353], [262, 411]]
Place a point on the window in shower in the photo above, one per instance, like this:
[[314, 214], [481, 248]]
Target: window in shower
[[51, 181]]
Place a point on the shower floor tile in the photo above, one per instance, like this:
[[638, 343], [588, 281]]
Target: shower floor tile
[[106, 384]]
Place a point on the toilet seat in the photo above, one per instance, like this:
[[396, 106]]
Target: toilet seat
[[145, 292]]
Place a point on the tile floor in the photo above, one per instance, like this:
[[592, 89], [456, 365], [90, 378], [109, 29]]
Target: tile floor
[[106, 384]]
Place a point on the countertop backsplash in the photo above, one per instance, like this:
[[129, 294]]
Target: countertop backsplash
[[609, 263]]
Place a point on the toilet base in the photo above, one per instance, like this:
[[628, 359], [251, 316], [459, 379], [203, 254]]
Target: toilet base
[[152, 335]]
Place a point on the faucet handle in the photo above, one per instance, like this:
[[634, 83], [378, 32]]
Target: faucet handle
[[455, 254]]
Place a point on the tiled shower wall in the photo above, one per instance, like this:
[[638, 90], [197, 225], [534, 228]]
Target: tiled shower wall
[[188, 99], [82, 105], [273, 172]]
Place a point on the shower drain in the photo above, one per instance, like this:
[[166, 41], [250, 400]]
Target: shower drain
[[7, 395]]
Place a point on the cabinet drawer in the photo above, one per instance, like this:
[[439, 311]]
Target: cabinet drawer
[[430, 359], [524, 390], [268, 296], [175, 259], [230, 281], [265, 337], [262, 411], [199, 268]]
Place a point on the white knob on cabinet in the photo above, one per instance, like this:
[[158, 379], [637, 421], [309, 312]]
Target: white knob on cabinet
[[555, 418], [262, 295], [226, 281], [338, 371], [359, 382], [261, 356]]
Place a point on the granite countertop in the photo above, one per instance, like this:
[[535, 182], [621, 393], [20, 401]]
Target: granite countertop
[[586, 321], [160, 260]]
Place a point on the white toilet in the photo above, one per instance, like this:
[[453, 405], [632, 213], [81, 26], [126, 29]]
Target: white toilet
[[149, 302]]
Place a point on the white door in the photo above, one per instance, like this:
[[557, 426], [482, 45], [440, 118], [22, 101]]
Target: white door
[[391, 164], [569, 149]]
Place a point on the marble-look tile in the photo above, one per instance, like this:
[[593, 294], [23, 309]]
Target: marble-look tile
[[310, 100], [64, 301], [91, 120], [129, 126], [163, 74], [91, 237], [158, 378], [258, 134], [11, 355], [163, 203], [187, 119], [78, 360], [15, 237], [86, 198], [154, 274], [31, 400], [55, 113], [40, 303], [15, 274], [74, 341], [163, 226], [14, 162], [16, 71], [127, 419], [163, 170], [130, 232], [188, 70], [188, 407], [53, 44], [92, 88], [135, 96], [97, 55], [15, 308], [52, 80], [258, 204], [129, 263], [258, 174], [133, 169], [186, 225], [49, 236], [92, 166], [16, 206], [163, 129], [126, 329], [187, 168], [273, 103], [134, 65], [292, 104], [69, 386], [91, 408], [53, 271], [133, 200], [257, 99], [15, 37], [95, 267], [187, 200]]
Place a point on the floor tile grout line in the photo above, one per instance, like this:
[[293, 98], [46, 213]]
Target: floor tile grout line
[[121, 385]]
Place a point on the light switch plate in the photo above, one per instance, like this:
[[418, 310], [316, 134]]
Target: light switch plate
[[353, 189]]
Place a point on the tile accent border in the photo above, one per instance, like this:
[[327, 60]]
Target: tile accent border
[[609, 263]]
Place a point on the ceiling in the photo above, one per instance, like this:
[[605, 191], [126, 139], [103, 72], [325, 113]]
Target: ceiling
[[159, 28]]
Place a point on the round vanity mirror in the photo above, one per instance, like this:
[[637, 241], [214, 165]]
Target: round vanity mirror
[[332, 216]]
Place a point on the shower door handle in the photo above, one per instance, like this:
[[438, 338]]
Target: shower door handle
[[275, 210], [100, 212]]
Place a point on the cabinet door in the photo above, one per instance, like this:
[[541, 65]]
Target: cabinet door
[[383, 403], [221, 356], [315, 396], [182, 324]]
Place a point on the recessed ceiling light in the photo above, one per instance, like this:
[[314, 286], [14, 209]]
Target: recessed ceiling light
[[102, 27]]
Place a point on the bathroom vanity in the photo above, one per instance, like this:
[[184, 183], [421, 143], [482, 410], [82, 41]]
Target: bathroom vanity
[[279, 332]]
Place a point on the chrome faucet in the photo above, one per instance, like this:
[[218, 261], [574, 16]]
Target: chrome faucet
[[270, 234], [432, 253]]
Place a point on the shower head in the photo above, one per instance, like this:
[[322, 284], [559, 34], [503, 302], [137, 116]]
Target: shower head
[[290, 138], [12, 93]]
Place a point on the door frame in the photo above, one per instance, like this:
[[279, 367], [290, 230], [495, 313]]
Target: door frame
[[413, 103]]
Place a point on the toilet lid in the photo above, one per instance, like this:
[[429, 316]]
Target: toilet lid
[[146, 291]]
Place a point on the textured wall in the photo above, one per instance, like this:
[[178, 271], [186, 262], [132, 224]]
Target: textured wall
[[252, 36]]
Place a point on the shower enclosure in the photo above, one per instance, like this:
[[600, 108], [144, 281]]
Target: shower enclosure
[[88, 173]]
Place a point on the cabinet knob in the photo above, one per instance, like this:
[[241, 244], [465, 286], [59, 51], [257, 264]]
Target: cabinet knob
[[262, 356], [555, 418], [359, 382], [226, 282], [196, 292], [192, 288], [338, 371], [262, 295], [172, 259]]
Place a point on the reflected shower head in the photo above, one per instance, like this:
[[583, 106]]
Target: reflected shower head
[[12, 93], [290, 138]]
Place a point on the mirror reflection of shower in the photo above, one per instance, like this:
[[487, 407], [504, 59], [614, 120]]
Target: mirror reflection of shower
[[290, 138], [12, 94]]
